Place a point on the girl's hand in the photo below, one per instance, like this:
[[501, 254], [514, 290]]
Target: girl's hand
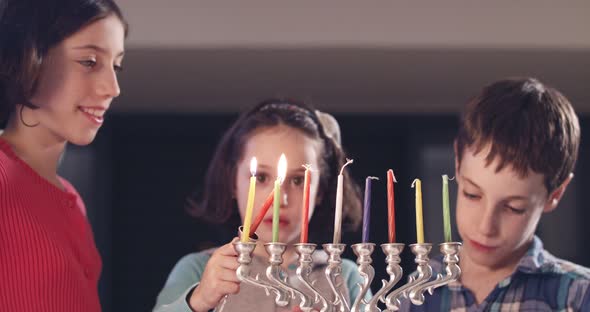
[[219, 279]]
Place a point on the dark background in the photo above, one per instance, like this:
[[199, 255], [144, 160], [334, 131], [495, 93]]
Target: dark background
[[136, 175]]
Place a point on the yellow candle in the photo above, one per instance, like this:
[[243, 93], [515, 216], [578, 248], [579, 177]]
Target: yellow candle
[[419, 219], [250, 202]]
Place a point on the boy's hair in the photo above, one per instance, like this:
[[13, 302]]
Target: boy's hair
[[28, 30], [527, 124], [214, 204]]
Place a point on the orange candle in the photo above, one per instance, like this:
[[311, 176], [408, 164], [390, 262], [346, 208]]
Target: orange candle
[[391, 205], [305, 214], [262, 213]]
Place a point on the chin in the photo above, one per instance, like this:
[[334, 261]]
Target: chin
[[82, 140]]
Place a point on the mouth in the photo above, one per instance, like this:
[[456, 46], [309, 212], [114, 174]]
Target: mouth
[[94, 114], [282, 222], [481, 247]]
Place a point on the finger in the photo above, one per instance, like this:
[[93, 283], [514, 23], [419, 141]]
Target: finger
[[227, 276], [228, 263], [227, 250]]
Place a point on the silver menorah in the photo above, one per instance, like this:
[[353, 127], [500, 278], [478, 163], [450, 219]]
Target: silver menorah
[[419, 282]]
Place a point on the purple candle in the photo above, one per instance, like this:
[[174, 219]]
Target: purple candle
[[367, 209]]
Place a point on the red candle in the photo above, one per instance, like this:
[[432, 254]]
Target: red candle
[[390, 205], [305, 214], [262, 213]]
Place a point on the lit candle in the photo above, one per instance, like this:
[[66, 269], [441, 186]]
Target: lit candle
[[250, 202], [419, 223], [305, 214], [367, 209], [446, 208], [391, 205], [281, 172], [338, 214], [263, 210]]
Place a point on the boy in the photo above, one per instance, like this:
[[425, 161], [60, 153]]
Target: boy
[[514, 155]]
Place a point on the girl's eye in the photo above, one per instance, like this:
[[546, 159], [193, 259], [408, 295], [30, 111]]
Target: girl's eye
[[261, 178], [470, 196], [88, 63], [297, 181]]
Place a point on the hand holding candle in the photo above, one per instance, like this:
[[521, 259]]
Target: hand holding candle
[[391, 205], [305, 213], [281, 173], [338, 214], [250, 203], [419, 219], [446, 208], [367, 209]]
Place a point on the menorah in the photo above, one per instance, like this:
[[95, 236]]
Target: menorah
[[276, 284]]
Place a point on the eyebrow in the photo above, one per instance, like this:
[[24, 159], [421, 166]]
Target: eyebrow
[[97, 48], [513, 197], [296, 170]]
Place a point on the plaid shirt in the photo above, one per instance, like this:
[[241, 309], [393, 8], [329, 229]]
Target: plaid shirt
[[541, 282]]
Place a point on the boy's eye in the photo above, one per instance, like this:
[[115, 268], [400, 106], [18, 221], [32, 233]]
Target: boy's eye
[[470, 196], [515, 210], [88, 63], [118, 68]]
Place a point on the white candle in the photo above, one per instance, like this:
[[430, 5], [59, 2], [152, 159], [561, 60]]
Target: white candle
[[338, 214]]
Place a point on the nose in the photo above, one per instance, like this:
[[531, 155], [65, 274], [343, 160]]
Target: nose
[[488, 224], [108, 84]]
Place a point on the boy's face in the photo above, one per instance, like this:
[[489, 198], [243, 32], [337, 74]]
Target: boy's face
[[497, 212]]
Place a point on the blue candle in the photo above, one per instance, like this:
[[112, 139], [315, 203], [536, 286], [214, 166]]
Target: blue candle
[[367, 209]]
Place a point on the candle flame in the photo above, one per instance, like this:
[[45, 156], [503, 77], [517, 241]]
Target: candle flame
[[282, 170], [253, 165]]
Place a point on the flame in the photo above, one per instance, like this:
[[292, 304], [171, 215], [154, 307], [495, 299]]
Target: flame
[[282, 170], [253, 165]]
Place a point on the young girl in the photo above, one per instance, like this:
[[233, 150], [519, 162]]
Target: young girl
[[58, 76], [200, 280]]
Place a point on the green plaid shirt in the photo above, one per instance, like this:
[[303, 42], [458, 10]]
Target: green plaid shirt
[[541, 282]]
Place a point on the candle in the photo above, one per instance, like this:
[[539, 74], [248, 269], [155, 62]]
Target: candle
[[338, 214], [250, 202], [263, 210], [391, 205], [419, 223], [281, 172], [446, 209], [367, 209], [305, 214]]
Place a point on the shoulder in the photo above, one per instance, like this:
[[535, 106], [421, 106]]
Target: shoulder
[[554, 265], [193, 263]]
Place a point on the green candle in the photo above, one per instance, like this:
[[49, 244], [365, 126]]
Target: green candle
[[275, 212], [446, 208], [282, 172]]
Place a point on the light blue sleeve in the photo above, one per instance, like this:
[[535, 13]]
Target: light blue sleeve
[[353, 279], [185, 276]]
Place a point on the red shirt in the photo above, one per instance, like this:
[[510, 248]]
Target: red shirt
[[48, 258]]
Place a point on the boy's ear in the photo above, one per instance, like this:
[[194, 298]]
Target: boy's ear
[[555, 196]]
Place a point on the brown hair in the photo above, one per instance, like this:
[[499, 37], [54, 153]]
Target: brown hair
[[527, 124], [28, 30], [214, 205]]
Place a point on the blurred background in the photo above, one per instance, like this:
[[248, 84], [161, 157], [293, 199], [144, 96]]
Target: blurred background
[[394, 73]]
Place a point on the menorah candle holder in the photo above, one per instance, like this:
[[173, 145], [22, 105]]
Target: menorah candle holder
[[392, 253], [363, 252], [305, 251], [244, 251], [423, 271], [453, 271], [276, 275], [333, 272]]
